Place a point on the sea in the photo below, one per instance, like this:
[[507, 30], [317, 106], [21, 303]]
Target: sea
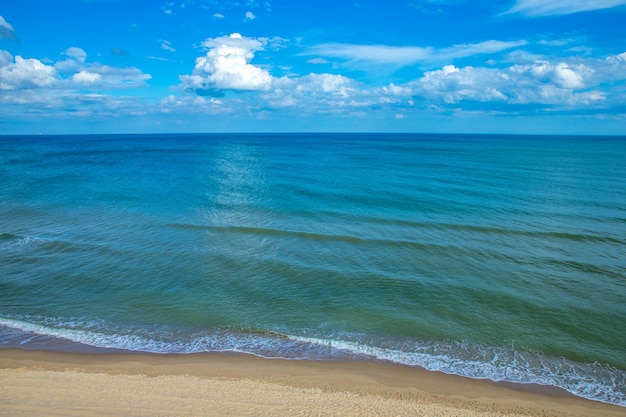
[[493, 257]]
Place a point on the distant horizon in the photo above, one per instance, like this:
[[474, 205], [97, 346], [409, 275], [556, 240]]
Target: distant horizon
[[440, 66], [285, 133]]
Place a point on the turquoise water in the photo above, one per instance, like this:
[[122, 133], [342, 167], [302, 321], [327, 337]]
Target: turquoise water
[[500, 257]]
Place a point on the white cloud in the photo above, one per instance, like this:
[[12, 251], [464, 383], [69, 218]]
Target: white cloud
[[617, 58], [408, 55], [313, 93], [226, 66], [27, 74], [5, 58], [560, 7], [158, 58], [250, 16], [560, 74], [96, 75], [472, 49], [199, 105], [557, 84], [77, 54], [35, 88], [167, 45], [218, 16], [317, 61], [452, 84], [526, 84], [6, 30], [86, 78], [116, 78], [71, 87], [334, 84], [75, 61], [380, 54]]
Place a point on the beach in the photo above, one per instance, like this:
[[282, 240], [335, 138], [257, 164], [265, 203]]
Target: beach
[[135, 384]]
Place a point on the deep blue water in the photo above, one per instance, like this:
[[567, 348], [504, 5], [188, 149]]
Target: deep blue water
[[499, 257]]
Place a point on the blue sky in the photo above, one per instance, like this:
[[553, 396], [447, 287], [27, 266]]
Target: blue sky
[[468, 66]]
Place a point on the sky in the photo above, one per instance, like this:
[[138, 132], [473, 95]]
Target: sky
[[423, 66]]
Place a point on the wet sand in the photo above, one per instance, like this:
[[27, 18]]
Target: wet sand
[[133, 384]]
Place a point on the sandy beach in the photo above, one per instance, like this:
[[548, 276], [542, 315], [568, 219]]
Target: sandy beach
[[80, 384]]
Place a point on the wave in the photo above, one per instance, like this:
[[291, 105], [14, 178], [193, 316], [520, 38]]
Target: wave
[[588, 380], [11, 242], [555, 235]]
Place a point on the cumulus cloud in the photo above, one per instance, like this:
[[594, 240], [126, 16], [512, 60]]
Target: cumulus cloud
[[332, 84], [314, 93], [249, 16], [522, 82], [32, 87], [76, 69], [75, 61], [70, 87], [561, 74], [558, 84], [194, 105], [451, 84], [7, 31], [408, 55], [27, 74], [86, 78], [560, 7], [226, 67], [116, 78]]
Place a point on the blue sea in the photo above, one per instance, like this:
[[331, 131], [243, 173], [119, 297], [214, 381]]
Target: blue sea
[[498, 257]]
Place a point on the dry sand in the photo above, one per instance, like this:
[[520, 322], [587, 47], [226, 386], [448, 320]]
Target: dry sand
[[79, 384]]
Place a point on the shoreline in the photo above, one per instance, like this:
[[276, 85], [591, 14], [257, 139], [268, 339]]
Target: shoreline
[[63, 383]]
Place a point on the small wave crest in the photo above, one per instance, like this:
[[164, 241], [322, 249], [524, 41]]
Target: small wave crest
[[591, 381], [10, 242]]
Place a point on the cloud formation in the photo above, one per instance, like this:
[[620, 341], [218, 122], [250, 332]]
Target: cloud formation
[[76, 68], [560, 7], [561, 84], [72, 86], [379, 54], [167, 46], [407, 55], [24, 74], [226, 67], [7, 31], [519, 82]]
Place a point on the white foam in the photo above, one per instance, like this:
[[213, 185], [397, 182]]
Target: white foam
[[591, 381]]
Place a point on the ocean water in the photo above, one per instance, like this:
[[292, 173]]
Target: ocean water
[[500, 257]]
